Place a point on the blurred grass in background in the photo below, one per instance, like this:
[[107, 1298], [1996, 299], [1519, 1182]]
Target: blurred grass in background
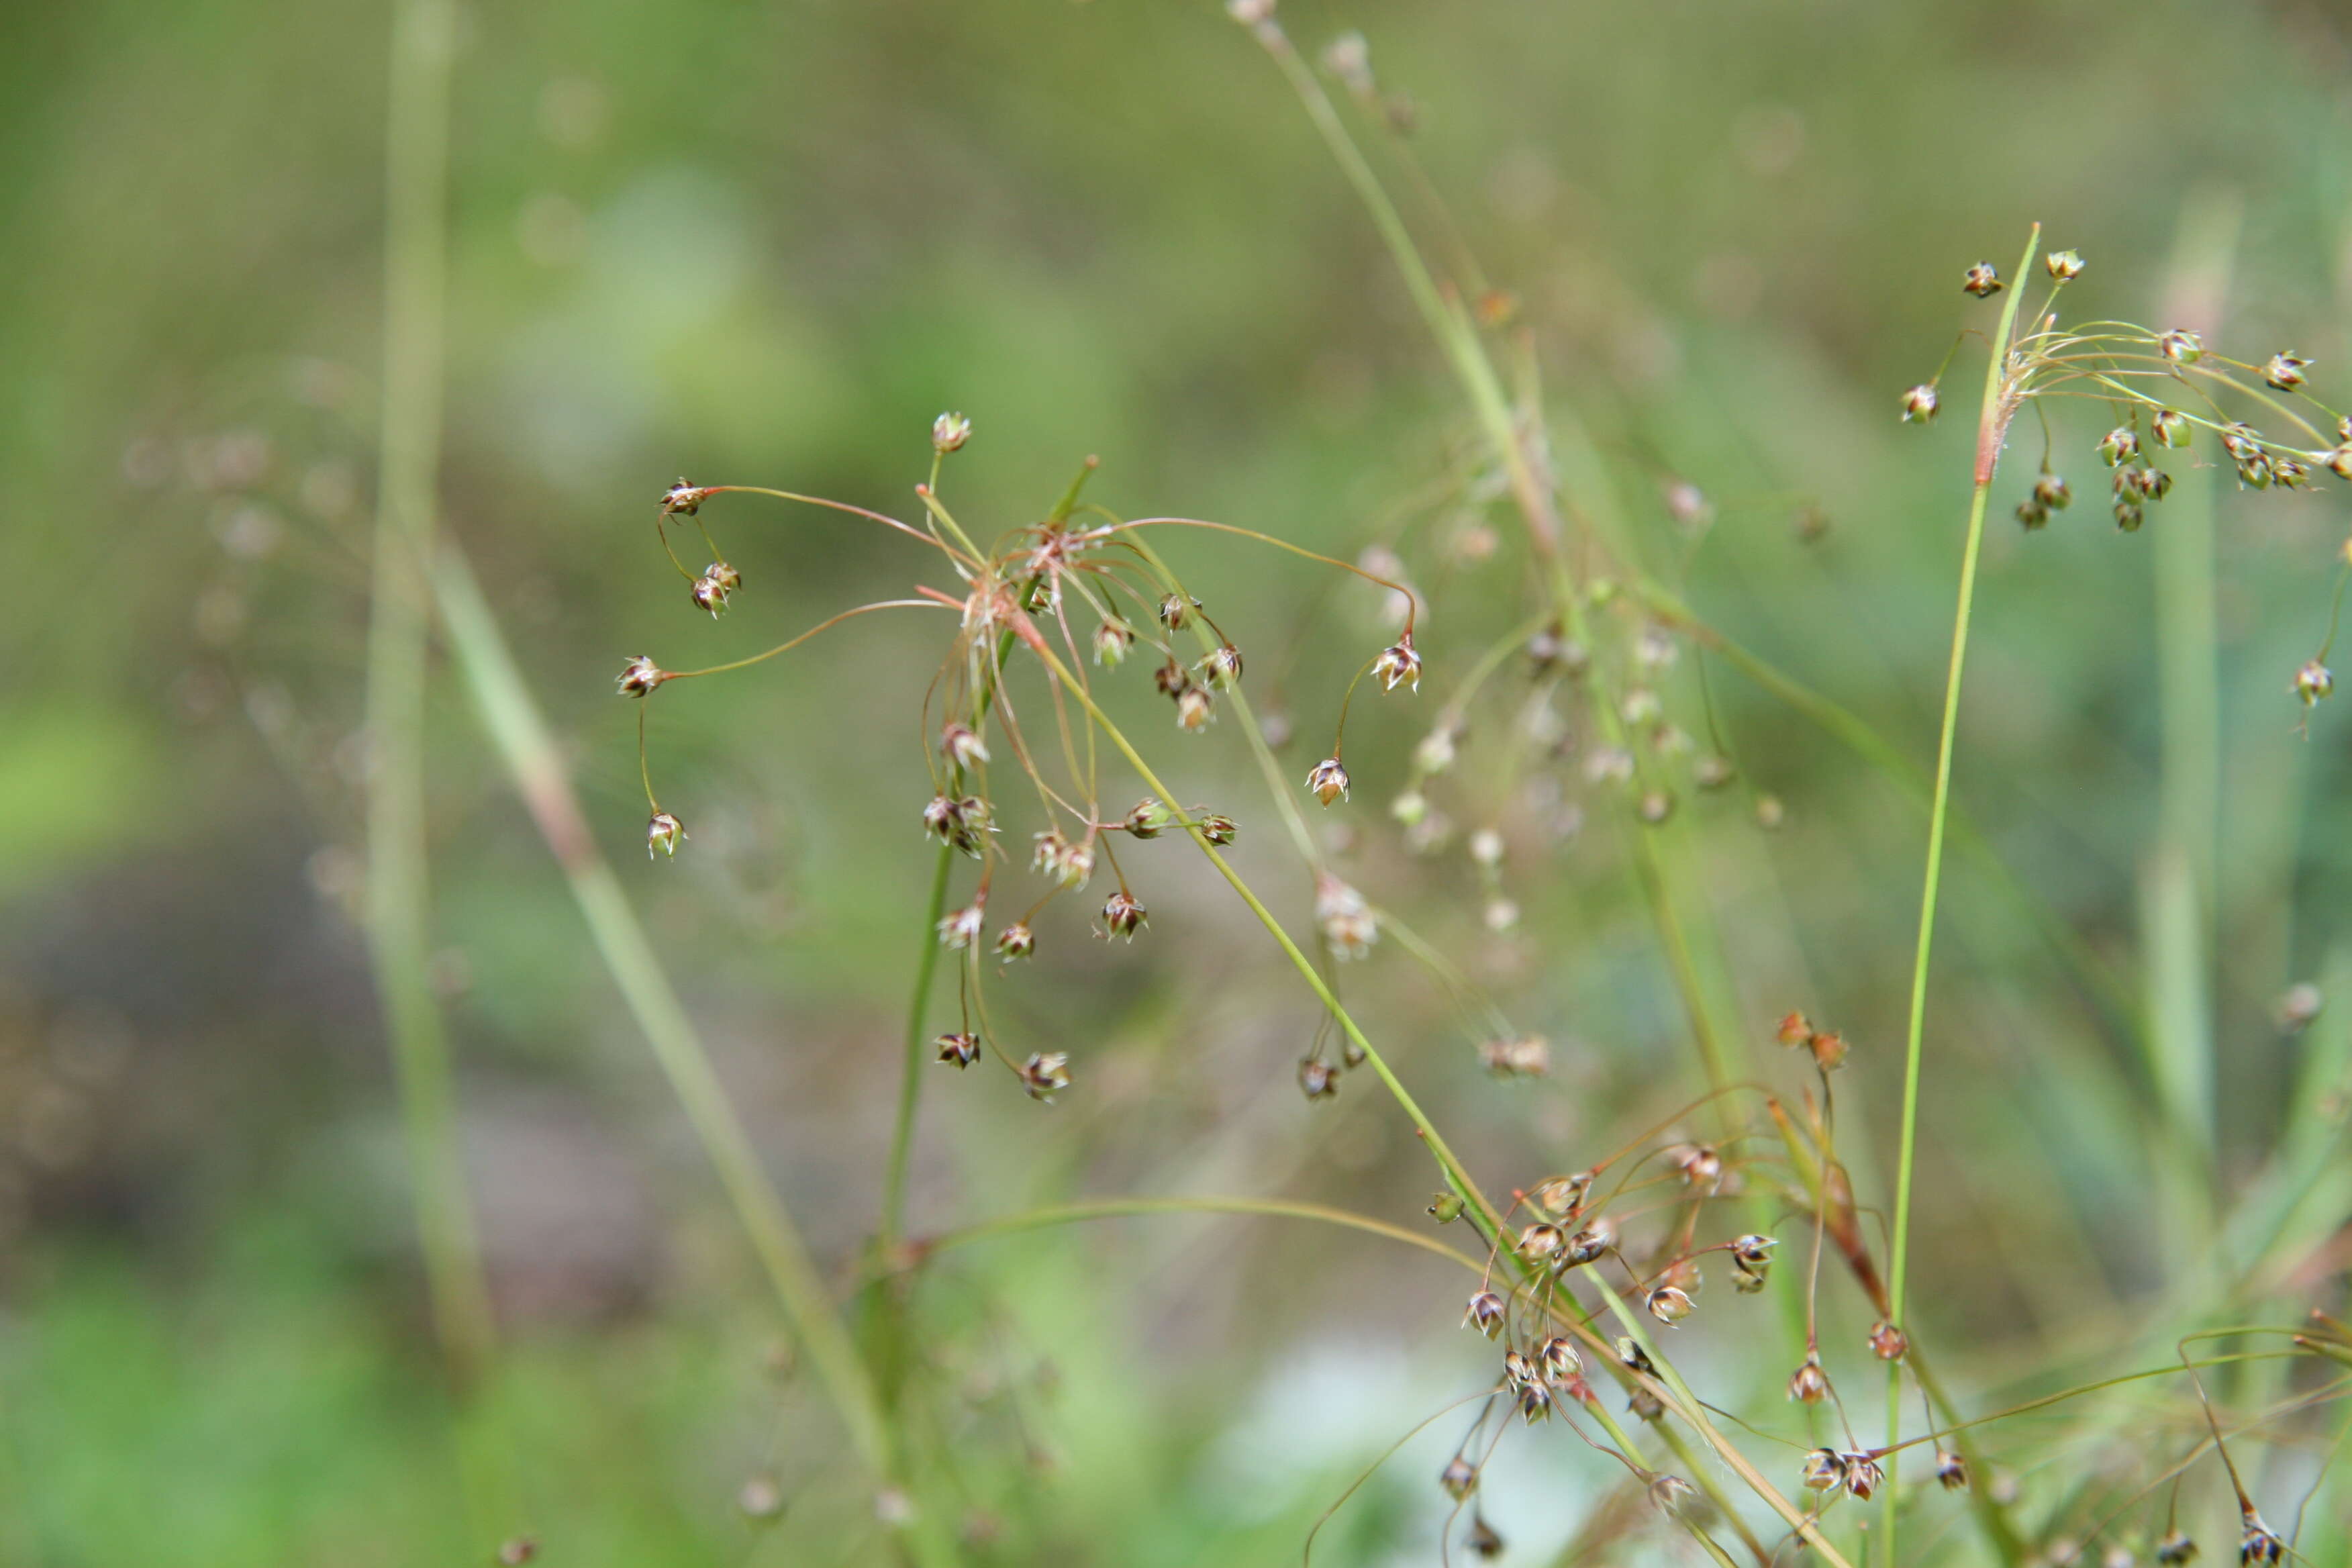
[[766, 244]]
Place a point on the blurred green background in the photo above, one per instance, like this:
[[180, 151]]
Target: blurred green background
[[766, 243]]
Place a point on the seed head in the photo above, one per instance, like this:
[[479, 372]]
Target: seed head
[[640, 675], [1538, 1242], [2339, 461], [1633, 1357], [1518, 1370], [2181, 346], [1250, 12], [1222, 667], [2254, 470], [2284, 371], [1523, 1055], [942, 819], [949, 432], [2128, 516], [962, 746], [2170, 428], [1751, 1259], [1482, 1537], [1146, 819], [1712, 772], [683, 499], [1809, 1385], [1644, 1405], [1484, 1313], [1589, 1243], [1399, 665], [1669, 1494], [1562, 1196], [2176, 1547], [1195, 710], [959, 1050], [1919, 405], [962, 928], [710, 591], [1113, 637], [1350, 926], [1123, 915], [1445, 1207], [1983, 280], [1435, 752], [1046, 1075], [1558, 1360], [664, 835], [1176, 611], [1829, 1051], [1017, 940], [1459, 1477], [1700, 1165], [2051, 491], [1669, 1304], [1219, 830], [1951, 1471], [2314, 681], [1327, 781], [1795, 1029], [2289, 473], [2119, 446], [1655, 805], [2065, 265], [1862, 1475], [2257, 1541], [1888, 1342], [1067, 863], [1317, 1079], [1349, 59], [518, 1550], [1823, 1472]]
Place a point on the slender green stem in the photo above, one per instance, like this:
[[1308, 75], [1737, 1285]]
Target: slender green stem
[[1992, 425], [398, 891], [534, 762], [902, 1131], [1114, 1208]]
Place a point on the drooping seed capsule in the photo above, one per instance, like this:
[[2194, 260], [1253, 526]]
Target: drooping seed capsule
[[1445, 1207], [1459, 1477], [1017, 940], [1195, 710], [1221, 667], [1919, 405], [2170, 428], [1045, 1074], [2032, 515], [1176, 611], [2314, 681], [1123, 915], [962, 746], [664, 834], [1559, 1361], [1823, 1472], [2050, 490], [2284, 371], [962, 928], [640, 677], [1219, 830], [2063, 265], [714, 587], [683, 499], [1113, 637], [1398, 664], [2257, 1541], [2181, 346], [2289, 473], [1669, 1304], [960, 1050], [2128, 516], [1951, 1471], [1862, 1475], [1316, 1079], [2119, 446], [2176, 1547], [1484, 1314], [1983, 280], [949, 432], [1809, 1385], [1327, 781], [1888, 1342]]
